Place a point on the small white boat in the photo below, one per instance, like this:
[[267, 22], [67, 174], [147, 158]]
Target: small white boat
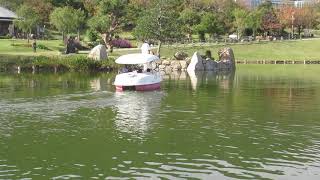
[[139, 80]]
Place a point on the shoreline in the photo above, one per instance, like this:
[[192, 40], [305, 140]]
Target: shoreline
[[80, 63], [73, 63], [278, 62]]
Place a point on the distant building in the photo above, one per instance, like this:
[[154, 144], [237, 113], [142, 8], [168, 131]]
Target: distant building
[[6, 21], [249, 3], [254, 3], [302, 3], [277, 3]]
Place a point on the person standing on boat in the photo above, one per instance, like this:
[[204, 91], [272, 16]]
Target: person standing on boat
[[145, 48]]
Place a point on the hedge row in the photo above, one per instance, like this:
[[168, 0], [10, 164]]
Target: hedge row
[[63, 63]]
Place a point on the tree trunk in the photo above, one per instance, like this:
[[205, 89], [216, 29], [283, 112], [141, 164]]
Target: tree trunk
[[159, 48], [79, 35], [104, 38], [238, 35], [110, 47], [189, 36], [107, 41], [63, 36], [28, 36], [292, 31]]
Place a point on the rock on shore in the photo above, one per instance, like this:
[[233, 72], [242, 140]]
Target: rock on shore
[[98, 53], [181, 62]]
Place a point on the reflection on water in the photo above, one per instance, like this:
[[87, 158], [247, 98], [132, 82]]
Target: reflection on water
[[176, 75], [135, 111], [198, 78], [254, 124], [95, 84]]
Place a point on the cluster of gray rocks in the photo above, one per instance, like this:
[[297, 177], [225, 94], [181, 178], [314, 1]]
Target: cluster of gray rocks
[[182, 62]]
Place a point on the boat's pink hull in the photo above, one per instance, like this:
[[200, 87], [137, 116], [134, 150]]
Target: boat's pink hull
[[148, 87]]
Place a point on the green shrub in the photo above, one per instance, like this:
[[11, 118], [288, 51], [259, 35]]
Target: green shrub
[[72, 63], [8, 62], [109, 64], [80, 63], [6, 37], [21, 45], [44, 61], [93, 44], [92, 35], [41, 46]]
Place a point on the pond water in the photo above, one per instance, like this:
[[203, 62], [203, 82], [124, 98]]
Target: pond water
[[262, 122]]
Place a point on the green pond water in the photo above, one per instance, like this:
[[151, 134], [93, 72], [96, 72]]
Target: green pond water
[[262, 122]]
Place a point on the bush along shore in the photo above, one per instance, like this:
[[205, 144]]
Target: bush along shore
[[54, 64]]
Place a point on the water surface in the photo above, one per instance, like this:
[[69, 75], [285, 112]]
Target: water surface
[[261, 122]]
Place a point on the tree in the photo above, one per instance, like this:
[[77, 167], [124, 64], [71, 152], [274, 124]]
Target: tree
[[300, 18], [11, 4], [134, 10], [159, 23], [240, 20], [209, 24], [28, 19], [76, 4], [223, 10], [91, 6], [286, 17], [304, 18], [285, 14], [189, 19], [141, 3], [254, 20], [67, 19], [270, 22], [109, 19], [200, 4], [42, 7], [79, 20]]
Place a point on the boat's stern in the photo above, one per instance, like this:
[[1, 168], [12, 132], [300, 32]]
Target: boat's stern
[[137, 81]]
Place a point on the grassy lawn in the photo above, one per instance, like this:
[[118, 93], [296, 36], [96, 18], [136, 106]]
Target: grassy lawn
[[286, 50], [278, 50], [18, 47]]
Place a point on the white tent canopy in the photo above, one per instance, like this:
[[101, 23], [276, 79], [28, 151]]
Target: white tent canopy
[[137, 59]]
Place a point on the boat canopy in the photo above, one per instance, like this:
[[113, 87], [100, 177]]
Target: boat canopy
[[136, 59]]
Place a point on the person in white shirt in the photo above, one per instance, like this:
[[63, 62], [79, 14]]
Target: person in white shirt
[[145, 48]]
